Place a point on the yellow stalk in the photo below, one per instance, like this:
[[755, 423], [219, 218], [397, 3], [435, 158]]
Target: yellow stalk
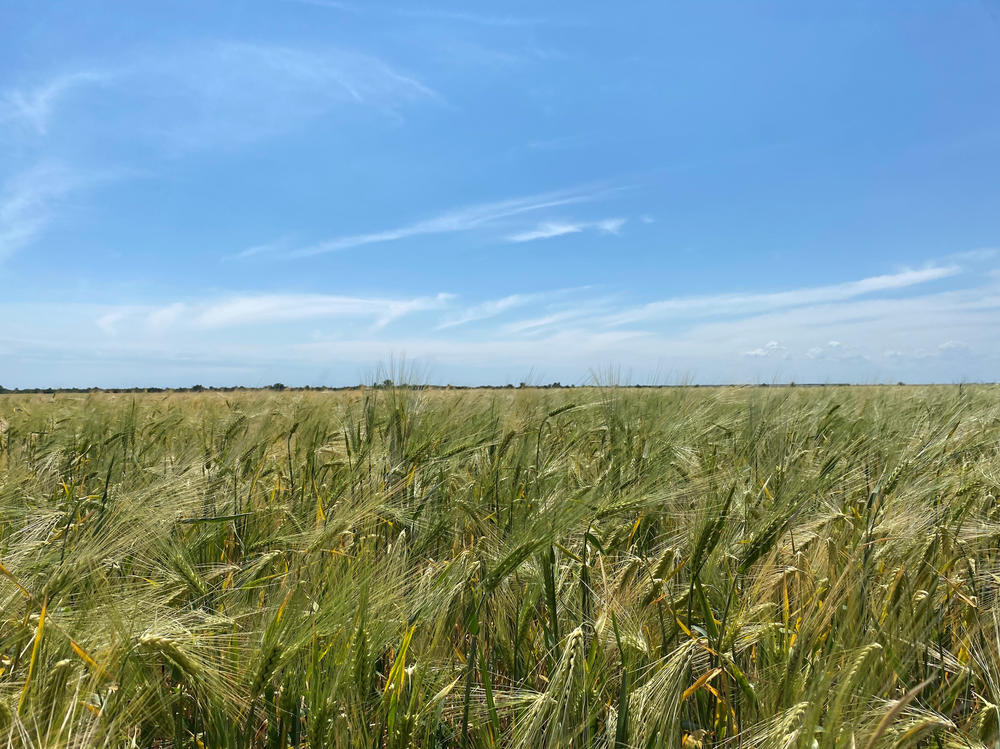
[[34, 653]]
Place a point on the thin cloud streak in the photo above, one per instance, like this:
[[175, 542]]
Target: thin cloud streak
[[234, 93], [729, 304], [267, 248], [547, 230], [551, 229], [221, 94], [29, 200], [489, 309], [165, 317], [944, 312], [496, 307], [459, 220], [34, 108], [248, 311], [536, 324], [260, 309]]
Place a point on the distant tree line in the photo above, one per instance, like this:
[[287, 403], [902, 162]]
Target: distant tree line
[[278, 387], [386, 385]]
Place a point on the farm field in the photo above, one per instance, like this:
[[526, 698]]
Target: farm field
[[589, 567]]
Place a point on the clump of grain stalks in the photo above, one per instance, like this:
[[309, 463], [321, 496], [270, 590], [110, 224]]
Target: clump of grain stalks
[[401, 567]]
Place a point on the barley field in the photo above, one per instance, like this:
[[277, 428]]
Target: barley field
[[588, 567]]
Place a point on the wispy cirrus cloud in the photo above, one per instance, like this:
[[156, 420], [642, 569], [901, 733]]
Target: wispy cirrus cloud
[[548, 323], [265, 309], [871, 329], [228, 314], [34, 107], [30, 200], [489, 309], [496, 307], [219, 94], [233, 93], [162, 318], [265, 248], [108, 322], [735, 304], [291, 307], [463, 219], [550, 229], [981, 254], [547, 230]]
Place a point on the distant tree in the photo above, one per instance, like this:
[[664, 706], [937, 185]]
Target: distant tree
[[277, 386], [198, 388]]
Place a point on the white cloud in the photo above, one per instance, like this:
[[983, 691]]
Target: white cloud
[[546, 231], [109, 321], [34, 108], [832, 350], [261, 309], [228, 94], [560, 142], [943, 336], [737, 304], [164, 317], [535, 324], [459, 220], [771, 348], [954, 347], [496, 307], [221, 94], [266, 248], [978, 255], [29, 201], [489, 309], [550, 229], [272, 308]]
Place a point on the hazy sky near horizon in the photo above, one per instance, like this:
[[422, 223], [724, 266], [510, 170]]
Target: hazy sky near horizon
[[301, 190]]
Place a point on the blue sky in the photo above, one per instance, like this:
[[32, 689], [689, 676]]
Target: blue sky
[[302, 190]]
